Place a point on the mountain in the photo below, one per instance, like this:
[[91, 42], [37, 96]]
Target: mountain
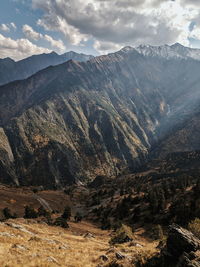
[[11, 70], [174, 51], [78, 120]]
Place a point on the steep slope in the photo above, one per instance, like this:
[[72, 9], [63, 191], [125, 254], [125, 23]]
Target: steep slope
[[80, 120], [76, 121], [11, 70]]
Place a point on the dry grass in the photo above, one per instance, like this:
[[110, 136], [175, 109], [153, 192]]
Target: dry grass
[[45, 245]]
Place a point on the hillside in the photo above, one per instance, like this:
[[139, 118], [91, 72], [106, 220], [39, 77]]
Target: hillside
[[27, 243]]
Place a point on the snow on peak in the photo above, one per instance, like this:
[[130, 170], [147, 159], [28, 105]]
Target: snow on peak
[[165, 51]]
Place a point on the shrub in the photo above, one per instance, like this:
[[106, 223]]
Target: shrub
[[157, 232], [43, 212], [122, 235], [67, 213], [7, 214], [60, 221], [78, 217], [30, 212], [194, 227], [35, 190]]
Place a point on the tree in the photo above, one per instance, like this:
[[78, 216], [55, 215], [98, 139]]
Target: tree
[[7, 213], [60, 221], [67, 213], [30, 212], [78, 217], [42, 212]]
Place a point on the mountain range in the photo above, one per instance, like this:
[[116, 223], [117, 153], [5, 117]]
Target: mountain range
[[11, 70], [104, 116]]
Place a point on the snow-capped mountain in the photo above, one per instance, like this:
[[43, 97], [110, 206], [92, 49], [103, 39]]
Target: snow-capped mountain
[[166, 51]]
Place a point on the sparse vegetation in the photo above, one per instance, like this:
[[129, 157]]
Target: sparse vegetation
[[67, 213], [194, 227], [8, 215], [122, 235], [30, 212], [60, 221], [78, 217]]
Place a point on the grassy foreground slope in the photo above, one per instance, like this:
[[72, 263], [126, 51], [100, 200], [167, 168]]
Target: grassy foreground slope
[[28, 243]]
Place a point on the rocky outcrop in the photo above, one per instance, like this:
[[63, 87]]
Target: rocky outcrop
[[7, 168], [182, 249]]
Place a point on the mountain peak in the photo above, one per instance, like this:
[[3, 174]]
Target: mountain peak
[[127, 49], [53, 53], [178, 45]]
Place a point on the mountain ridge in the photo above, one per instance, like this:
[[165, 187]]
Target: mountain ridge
[[11, 70]]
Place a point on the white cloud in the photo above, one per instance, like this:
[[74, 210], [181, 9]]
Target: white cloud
[[12, 24], [4, 27], [7, 27], [19, 49], [30, 33], [116, 23], [106, 47], [55, 43], [33, 35]]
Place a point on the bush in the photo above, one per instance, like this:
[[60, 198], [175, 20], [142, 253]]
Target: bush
[[43, 212], [7, 214], [194, 227], [78, 217], [60, 221], [122, 235], [67, 213], [30, 213], [157, 232]]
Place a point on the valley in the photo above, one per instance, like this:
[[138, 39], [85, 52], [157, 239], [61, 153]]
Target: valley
[[99, 161]]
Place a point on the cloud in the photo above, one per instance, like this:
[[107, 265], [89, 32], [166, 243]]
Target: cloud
[[33, 35], [4, 27], [30, 33], [19, 49], [106, 46], [55, 43], [7, 27], [12, 24], [116, 23]]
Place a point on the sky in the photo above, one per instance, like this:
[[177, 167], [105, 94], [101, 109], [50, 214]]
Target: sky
[[95, 27]]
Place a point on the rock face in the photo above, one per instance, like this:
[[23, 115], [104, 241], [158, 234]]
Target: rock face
[[11, 70], [181, 241], [76, 121], [181, 248]]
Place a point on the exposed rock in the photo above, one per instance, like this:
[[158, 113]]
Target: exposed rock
[[21, 247], [52, 259], [89, 235], [19, 227], [7, 234], [35, 238], [119, 256], [182, 250], [180, 241], [104, 258]]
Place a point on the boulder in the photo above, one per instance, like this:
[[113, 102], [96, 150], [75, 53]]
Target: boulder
[[181, 241]]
